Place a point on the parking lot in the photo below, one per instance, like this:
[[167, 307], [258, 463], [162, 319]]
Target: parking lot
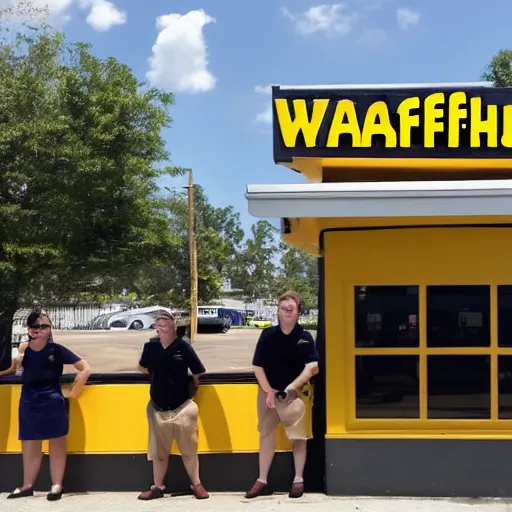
[[119, 351]]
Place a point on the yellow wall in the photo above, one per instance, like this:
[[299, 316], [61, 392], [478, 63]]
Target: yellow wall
[[112, 419], [306, 231], [452, 256]]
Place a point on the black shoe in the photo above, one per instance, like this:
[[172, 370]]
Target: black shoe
[[21, 493], [55, 493]]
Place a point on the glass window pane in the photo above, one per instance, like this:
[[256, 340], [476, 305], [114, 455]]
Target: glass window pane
[[386, 316], [458, 316], [387, 387], [459, 387], [505, 316], [505, 387]]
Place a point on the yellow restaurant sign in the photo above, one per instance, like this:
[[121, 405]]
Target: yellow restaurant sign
[[410, 123]]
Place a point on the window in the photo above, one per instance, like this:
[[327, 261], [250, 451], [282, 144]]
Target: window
[[431, 356], [458, 316], [387, 387], [387, 316]]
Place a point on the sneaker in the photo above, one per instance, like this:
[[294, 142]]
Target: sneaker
[[259, 489]]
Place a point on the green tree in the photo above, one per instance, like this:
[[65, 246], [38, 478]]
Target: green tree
[[298, 272], [256, 264], [499, 70], [219, 236], [80, 152]]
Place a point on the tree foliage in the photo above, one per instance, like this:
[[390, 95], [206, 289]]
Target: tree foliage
[[81, 214], [299, 272], [80, 152], [499, 70], [218, 235], [257, 262]]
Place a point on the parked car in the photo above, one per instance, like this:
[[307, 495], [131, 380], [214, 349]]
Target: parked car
[[260, 323], [138, 319]]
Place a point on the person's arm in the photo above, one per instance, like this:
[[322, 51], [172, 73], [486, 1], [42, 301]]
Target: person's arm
[[306, 347], [144, 360], [195, 366], [83, 368], [84, 372], [15, 360]]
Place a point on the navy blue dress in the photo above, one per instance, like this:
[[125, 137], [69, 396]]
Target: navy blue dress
[[43, 411]]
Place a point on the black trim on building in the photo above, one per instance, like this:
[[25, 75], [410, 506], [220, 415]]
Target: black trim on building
[[314, 473], [226, 472], [419, 467]]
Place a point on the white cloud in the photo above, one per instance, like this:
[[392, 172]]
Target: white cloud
[[265, 116], [103, 15], [179, 61], [407, 18], [334, 19]]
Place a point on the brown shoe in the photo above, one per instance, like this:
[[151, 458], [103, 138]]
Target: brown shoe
[[259, 489], [152, 494], [297, 490], [200, 492]]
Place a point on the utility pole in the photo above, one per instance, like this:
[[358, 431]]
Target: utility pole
[[192, 250]]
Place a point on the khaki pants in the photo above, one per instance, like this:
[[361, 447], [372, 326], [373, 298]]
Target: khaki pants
[[291, 412], [165, 426]]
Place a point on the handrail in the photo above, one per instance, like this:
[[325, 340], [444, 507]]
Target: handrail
[[247, 377]]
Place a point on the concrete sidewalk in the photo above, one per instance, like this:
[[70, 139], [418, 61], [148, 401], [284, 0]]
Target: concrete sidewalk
[[127, 502]]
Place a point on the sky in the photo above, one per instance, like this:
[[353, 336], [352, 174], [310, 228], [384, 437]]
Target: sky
[[219, 57]]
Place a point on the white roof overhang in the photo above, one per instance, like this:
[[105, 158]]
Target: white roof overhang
[[382, 199]]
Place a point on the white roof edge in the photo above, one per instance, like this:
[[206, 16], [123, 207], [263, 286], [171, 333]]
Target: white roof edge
[[384, 200], [383, 186], [386, 86]]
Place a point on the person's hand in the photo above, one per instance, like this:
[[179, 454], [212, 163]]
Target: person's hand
[[67, 393], [270, 400]]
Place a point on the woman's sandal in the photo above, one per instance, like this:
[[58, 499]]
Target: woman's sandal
[[19, 492], [55, 493]]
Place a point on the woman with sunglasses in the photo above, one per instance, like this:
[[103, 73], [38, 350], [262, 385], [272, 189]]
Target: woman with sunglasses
[[43, 412]]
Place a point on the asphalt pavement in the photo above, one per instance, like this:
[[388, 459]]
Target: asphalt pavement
[[119, 351]]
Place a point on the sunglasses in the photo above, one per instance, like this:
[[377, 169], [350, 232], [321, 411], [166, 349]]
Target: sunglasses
[[40, 326]]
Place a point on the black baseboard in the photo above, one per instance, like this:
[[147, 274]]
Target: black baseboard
[[133, 473], [419, 468]]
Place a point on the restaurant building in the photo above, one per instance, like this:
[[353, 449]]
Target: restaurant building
[[408, 207]]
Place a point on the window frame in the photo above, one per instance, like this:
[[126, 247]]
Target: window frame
[[423, 425]]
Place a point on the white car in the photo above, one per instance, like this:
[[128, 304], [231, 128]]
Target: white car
[[138, 319]]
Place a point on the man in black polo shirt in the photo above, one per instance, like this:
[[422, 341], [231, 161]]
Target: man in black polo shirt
[[285, 359], [171, 413]]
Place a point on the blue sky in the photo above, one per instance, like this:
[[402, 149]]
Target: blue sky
[[214, 54]]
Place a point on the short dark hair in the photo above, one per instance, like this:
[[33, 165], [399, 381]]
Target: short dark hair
[[34, 316]]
